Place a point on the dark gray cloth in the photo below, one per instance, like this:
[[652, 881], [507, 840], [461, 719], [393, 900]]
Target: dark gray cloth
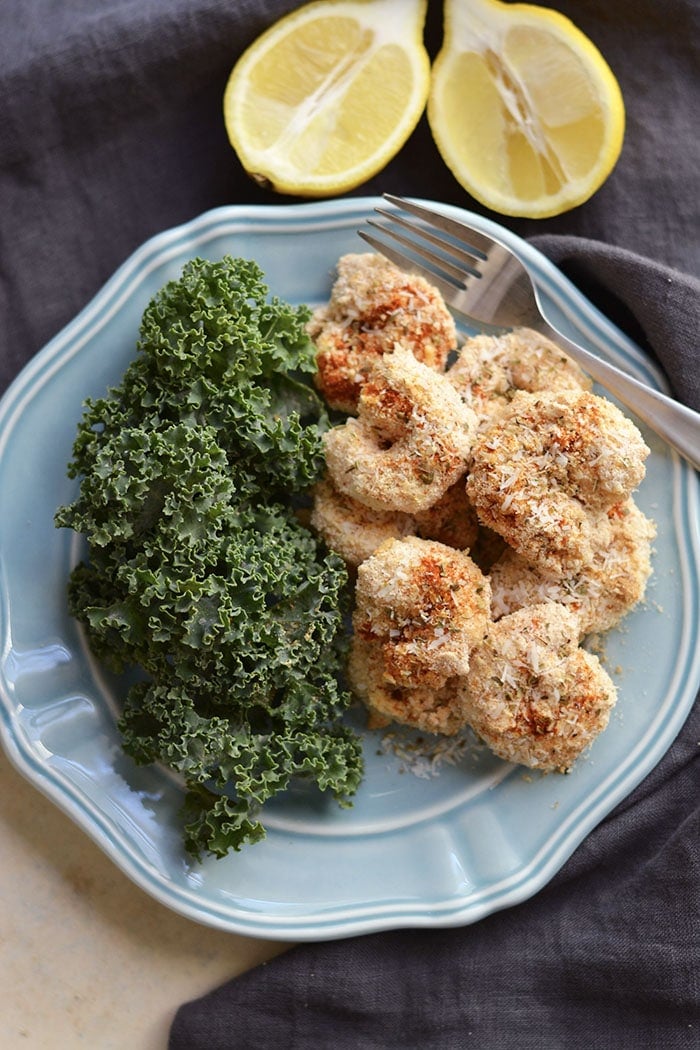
[[110, 131], [655, 304]]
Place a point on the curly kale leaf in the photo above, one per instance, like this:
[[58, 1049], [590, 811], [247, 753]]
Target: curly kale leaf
[[217, 323], [199, 571], [214, 351], [233, 768]]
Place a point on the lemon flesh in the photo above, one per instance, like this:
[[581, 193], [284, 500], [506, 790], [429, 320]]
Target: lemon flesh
[[523, 108], [328, 95]]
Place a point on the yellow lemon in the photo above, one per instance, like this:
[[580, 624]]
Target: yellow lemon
[[325, 97], [523, 107]]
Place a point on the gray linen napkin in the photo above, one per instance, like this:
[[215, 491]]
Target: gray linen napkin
[[654, 304]]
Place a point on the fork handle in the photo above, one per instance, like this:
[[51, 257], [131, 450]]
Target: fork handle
[[677, 424]]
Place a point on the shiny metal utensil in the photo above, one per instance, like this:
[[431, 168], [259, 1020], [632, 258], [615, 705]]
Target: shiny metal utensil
[[482, 279]]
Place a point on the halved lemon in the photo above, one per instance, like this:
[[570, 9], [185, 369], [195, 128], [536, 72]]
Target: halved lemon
[[322, 100], [524, 109]]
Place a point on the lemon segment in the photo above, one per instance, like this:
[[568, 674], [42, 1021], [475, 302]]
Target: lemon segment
[[328, 95], [523, 108]]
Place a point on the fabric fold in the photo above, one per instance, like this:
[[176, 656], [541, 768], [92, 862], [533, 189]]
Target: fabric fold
[[654, 304]]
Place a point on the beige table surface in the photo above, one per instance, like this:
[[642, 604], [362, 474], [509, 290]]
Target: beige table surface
[[87, 959]]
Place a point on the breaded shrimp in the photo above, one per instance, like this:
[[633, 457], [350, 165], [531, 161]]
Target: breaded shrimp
[[354, 531], [351, 529], [601, 592], [410, 442], [490, 369], [532, 694], [373, 306], [545, 472], [426, 605], [432, 710]]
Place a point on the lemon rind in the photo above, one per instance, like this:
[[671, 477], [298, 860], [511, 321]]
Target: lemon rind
[[269, 168], [495, 19]]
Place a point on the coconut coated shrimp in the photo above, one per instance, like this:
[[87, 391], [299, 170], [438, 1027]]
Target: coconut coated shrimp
[[490, 369], [410, 442], [351, 529], [425, 606], [354, 531], [546, 471], [373, 306], [532, 694], [600, 593], [432, 710]]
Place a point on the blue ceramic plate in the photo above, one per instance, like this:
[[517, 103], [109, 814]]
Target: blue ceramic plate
[[436, 850]]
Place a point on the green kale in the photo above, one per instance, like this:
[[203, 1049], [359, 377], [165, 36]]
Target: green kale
[[199, 571]]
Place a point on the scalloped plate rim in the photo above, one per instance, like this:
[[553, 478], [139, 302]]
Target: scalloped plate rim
[[371, 915]]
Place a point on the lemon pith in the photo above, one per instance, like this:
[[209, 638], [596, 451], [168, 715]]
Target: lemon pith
[[523, 108], [327, 95]]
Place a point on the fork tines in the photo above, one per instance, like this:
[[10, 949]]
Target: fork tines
[[452, 263]]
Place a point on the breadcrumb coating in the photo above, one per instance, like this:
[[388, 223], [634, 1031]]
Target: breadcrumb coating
[[354, 530], [490, 369], [545, 472], [410, 442], [350, 528], [373, 306], [426, 605], [532, 694], [437, 710], [601, 592]]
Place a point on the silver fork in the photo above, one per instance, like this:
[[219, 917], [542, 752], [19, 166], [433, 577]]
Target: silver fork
[[481, 279]]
